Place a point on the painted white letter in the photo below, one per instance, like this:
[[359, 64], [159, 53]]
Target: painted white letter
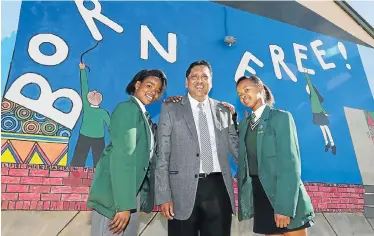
[[319, 53], [89, 16], [61, 53], [244, 65], [146, 37], [278, 60], [44, 104], [299, 56]]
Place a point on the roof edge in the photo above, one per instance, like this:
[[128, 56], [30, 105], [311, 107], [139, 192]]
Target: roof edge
[[356, 17]]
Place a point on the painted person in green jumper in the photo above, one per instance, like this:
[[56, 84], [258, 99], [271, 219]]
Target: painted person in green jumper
[[269, 170], [123, 184], [91, 133], [320, 116], [370, 121]]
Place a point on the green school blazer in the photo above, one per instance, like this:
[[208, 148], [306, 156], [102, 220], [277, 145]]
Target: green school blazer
[[123, 169], [279, 169]]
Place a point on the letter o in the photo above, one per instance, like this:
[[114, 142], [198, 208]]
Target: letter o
[[59, 56]]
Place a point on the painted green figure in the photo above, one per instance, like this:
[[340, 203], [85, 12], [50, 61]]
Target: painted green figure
[[91, 134], [369, 117], [370, 121], [320, 116]]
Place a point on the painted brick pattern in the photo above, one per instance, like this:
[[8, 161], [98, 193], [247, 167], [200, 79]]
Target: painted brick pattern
[[336, 197], [40, 187]]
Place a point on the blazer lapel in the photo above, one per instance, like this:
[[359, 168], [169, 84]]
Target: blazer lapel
[[146, 126], [244, 175], [188, 117], [148, 134], [262, 125]]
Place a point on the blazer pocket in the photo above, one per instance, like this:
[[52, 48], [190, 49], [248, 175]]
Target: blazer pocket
[[173, 172], [269, 146]]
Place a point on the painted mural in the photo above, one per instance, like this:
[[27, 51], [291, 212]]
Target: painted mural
[[53, 115]]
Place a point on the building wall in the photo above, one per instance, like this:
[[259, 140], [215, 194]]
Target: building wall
[[42, 102], [333, 13]]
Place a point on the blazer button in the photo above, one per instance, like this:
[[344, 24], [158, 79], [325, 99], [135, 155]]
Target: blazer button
[[196, 176], [197, 154]]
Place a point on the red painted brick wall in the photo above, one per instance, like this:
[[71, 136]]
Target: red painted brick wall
[[336, 197], [40, 187]]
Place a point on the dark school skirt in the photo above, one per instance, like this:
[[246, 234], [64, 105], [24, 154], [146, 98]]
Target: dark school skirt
[[320, 119], [263, 221]]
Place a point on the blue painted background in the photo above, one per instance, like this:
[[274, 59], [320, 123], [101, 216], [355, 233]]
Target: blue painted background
[[200, 29]]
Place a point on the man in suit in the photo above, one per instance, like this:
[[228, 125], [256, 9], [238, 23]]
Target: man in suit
[[193, 181]]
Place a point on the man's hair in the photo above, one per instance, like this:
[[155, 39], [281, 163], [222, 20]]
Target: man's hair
[[199, 63]]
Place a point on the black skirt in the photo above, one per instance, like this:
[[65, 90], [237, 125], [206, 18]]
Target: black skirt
[[263, 221]]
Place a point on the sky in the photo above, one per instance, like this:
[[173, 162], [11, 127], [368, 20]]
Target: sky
[[9, 14], [365, 9], [9, 23]]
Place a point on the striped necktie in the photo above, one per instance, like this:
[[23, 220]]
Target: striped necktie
[[206, 146], [152, 126], [148, 116], [253, 122]]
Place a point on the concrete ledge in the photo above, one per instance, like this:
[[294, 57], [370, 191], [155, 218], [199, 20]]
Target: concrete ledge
[[371, 221], [369, 211], [349, 224], [80, 225], [158, 226], [34, 223], [369, 199], [47, 223], [369, 188], [321, 227]]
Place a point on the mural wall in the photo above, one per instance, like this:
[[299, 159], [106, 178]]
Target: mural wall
[[57, 122]]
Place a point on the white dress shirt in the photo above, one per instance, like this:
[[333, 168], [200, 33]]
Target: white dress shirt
[[142, 107], [258, 112], [207, 109]]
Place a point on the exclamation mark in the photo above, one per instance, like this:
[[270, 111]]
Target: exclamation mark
[[343, 51]]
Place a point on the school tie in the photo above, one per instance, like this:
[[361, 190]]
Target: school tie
[[148, 116], [253, 118], [152, 126], [206, 146], [252, 122]]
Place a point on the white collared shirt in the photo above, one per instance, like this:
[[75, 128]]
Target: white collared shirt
[[259, 112], [142, 107], [209, 116]]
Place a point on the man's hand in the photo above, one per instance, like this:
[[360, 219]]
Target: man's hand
[[229, 106], [173, 99], [119, 222], [167, 210], [281, 221], [82, 66]]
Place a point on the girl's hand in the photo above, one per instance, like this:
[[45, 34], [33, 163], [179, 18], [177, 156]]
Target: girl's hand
[[119, 222], [281, 221]]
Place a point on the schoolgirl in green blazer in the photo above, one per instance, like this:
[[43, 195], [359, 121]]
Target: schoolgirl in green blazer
[[122, 177], [269, 171]]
